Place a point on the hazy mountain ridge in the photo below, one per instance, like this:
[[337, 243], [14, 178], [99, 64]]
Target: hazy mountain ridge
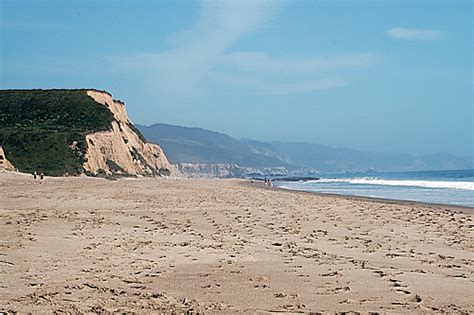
[[197, 145], [201, 146], [328, 159]]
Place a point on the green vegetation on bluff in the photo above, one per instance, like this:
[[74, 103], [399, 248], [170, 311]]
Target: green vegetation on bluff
[[39, 127]]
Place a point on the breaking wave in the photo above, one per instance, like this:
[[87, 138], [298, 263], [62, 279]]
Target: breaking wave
[[392, 182]]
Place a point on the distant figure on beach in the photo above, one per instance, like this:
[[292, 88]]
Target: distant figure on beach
[[253, 181], [41, 177], [268, 182], [35, 177]]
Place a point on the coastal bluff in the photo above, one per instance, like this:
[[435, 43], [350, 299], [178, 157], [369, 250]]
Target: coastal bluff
[[74, 132], [4, 163]]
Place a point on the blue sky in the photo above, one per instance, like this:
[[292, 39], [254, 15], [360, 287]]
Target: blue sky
[[387, 76]]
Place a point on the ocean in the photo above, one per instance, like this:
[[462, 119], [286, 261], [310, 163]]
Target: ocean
[[443, 187]]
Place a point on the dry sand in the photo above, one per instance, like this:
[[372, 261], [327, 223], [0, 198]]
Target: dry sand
[[91, 245]]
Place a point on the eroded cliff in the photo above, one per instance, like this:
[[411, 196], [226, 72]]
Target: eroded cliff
[[4, 163], [122, 149]]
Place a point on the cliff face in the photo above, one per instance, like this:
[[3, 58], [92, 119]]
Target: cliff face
[[208, 170], [4, 163], [227, 170], [122, 149]]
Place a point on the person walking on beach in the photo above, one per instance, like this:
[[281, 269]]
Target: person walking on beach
[[35, 176], [41, 178]]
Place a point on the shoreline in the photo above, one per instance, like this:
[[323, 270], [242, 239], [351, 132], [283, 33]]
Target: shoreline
[[455, 208], [259, 183]]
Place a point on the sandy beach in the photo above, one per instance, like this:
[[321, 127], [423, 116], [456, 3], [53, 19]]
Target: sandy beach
[[225, 246]]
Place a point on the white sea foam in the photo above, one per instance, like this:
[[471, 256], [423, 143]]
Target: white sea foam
[[392, 182]]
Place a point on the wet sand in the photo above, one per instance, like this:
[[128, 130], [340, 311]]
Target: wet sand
[[147, 245]]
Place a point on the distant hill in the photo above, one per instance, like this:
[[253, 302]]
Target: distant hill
[[198, 146], [337, 160], [72, 132]]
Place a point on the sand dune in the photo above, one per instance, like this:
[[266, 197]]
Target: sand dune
[[91, 245]]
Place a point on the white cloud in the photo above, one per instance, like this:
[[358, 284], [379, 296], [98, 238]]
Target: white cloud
[[278, 76], [306, 86], [414, 34], [179, 70], [276, 87], [200, 56], [257, 61]]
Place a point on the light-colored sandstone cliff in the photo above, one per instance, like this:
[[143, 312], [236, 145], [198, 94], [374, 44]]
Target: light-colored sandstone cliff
[[120, 150], [229, 170], [209, 170], [4, 163]]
